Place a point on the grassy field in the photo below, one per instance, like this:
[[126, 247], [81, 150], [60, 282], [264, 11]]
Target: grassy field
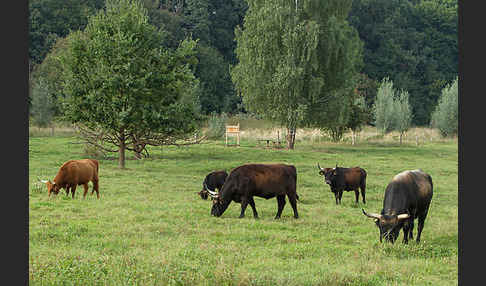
[[151, 228]]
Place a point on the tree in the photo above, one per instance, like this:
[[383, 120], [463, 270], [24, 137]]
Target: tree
[[359, 116], [403, 113], [384, 107], [42, 104], [293, 57], [122, 89], [445, 116]]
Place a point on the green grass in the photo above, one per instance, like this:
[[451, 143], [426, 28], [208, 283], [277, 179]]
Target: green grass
[[151, 228]]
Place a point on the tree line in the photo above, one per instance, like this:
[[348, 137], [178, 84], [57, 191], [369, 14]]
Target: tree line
[[113, 65]]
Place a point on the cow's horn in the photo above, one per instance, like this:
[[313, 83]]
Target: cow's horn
[[206, 186], [43, 181], [403, 216], [212, 194], [371, 215], [318, 166]]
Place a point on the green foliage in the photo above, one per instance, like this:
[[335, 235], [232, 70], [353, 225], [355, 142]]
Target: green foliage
[[43, 104], [446, 113], [403, 113], [412, 42], [53, 19], [216, 125], [384, 107], [118, 78], [294, 58]]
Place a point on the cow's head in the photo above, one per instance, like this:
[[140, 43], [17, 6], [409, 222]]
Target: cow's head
[[204, 193], [218, 207], [326, 172], [389, 225], [52, 187]]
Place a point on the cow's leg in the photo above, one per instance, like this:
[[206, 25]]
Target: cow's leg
[[410, 234], [96, 188], [67, 190], [73, 190], [85, 185], [340, 196], [252, 204], [363, 191], [356, 194], [406, 229], [336, 196], [281, 204], [293, 203], [421, 220], [244, 204]]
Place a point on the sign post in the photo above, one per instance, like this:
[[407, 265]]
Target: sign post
[[233, 130]]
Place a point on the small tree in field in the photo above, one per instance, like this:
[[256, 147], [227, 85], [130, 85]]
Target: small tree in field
[[42, 104], [384, 107], [445, 116], [123, 89], [403, 116]]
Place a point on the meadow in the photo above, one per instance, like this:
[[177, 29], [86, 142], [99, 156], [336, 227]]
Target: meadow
[[151, 228]]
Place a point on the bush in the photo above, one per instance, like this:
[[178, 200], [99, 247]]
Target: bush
[[216, 125], [384, 107], [445, 116]]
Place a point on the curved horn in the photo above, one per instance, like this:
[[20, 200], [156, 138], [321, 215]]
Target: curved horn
[[402, 216], [205, 186], [43, 181], [371, 215], [318, 166], [213, 194]]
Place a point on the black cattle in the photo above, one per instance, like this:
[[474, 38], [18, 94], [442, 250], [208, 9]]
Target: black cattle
[[345, 179], [407, 197], [261, 180], [212, 181]]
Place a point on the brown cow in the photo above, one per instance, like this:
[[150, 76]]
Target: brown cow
[[345, 179], [74, 173]]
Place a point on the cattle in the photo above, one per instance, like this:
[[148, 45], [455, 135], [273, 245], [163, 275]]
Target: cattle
[[345, 179], [73, 173], [407, 197], [212, 181], [260, 180]]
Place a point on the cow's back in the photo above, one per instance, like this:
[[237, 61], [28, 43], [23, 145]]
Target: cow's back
[[78, 172], [354, 176], [268, 178]]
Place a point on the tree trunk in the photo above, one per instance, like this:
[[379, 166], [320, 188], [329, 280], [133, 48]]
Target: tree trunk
[[401, 135], [121, 151], [352, 137], [290, 138]]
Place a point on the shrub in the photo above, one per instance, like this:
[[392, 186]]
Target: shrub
[[445, 116], [216, 125], [384, 107]]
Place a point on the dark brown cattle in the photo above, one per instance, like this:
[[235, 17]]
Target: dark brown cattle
[[212, 181], [74, 173], [407, 197], [345, 179], [261, 180]]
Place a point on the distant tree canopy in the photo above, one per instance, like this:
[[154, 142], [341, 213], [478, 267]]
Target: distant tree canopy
[[123, 88], [414, 43]]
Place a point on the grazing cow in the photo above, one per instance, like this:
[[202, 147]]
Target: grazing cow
[[74, 173], [261, 180], [407, 197], [345, 179], [213, 180]]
